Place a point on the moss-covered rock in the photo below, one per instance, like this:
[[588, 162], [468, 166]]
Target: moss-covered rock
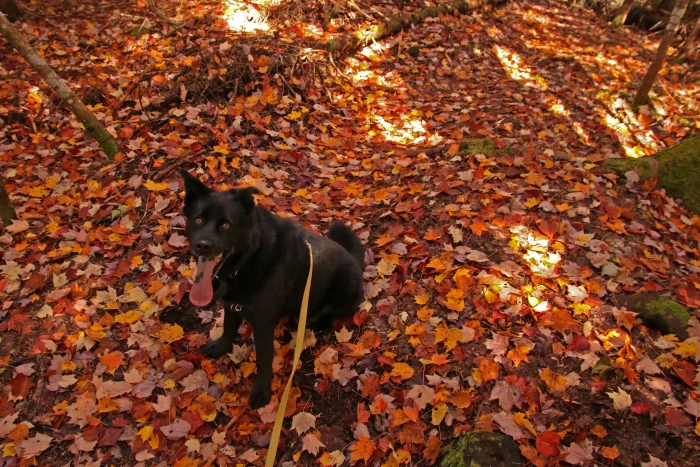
[[677, 169], [481, 146], [482, 449], [657, 312]]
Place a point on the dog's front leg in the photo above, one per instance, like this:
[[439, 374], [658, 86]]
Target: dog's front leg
[[263, 332], [224, 344]]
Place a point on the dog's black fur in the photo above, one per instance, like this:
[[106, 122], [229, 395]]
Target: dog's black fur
[[267, 272]]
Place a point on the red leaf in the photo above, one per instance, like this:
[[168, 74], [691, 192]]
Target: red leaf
[[21, 385], [640, 408], [579, 344], [548, 443], [685, 371]]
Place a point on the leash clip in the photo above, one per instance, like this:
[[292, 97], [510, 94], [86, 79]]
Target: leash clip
[[237, 307]]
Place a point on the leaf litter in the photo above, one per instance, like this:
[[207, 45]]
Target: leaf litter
[[493, 266]]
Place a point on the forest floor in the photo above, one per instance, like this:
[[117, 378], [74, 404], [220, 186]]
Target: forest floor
[[467, 154]]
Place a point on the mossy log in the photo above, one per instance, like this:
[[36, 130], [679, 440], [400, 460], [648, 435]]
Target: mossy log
[[676, 168], [482, 449], [658, 312], [395, 25]]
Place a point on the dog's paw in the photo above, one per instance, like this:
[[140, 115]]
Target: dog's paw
[[217, 348], [259, 397]]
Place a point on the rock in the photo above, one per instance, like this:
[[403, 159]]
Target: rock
[[659, 313], [482, 449]]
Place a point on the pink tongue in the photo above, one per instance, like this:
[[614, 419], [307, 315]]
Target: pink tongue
[[202, 291]]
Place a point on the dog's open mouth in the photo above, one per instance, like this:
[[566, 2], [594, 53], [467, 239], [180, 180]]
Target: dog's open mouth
[[202, 291]]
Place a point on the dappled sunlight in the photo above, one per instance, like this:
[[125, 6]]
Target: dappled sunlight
[[540, 254], [244, 17], [514, 65], [409, 131]]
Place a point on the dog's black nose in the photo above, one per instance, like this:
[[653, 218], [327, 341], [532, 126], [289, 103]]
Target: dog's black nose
[[203, 246]]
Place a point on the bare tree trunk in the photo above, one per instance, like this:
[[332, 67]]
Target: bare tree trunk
[[7, 212], [621, 15], [642, 96], [690, 41], [93, 127]]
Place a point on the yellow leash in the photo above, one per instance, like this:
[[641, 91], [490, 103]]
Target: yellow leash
[[301, 330]]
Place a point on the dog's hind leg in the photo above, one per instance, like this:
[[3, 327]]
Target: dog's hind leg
[[224, 344], [343, 296]]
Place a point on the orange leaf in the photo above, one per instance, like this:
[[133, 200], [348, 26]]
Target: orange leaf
[[363, 450], [402, 371], [432, 450], [478, 227], [489, 369], [611, 453], [112, 361], [555, 382]]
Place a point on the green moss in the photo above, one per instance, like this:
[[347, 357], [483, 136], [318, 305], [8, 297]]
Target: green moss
[[679, 172], [622, 166], [481, 146], [137, 31], [661, 312], [482, 449], [677, 169]]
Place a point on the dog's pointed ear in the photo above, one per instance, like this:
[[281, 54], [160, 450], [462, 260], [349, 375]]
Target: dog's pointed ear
[[193, 187], [245, 197]]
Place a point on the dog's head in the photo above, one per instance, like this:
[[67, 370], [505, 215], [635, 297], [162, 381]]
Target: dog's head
[[217, 222]]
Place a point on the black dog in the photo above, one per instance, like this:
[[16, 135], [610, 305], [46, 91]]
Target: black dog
[[263, 270]]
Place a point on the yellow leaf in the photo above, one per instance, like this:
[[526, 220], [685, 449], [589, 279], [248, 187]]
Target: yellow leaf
[[521, 420], [438, 414], [153, 186], [169, 333], [686, 349]]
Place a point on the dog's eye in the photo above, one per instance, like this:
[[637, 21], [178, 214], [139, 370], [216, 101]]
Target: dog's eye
[[198, 221], [226, 225]]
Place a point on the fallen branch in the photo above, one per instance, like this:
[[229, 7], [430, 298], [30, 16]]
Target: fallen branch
[[396, 24]]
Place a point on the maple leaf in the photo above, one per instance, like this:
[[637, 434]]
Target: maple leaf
[[432, 450], [303, 422], [621, 400], [506, 394], [385, 268], [554, 381], [611, 453], [451, 336], [7, 424], [579, 454], [422, 395], [362, 450], [343, 335], [332, 459], [177, 429], [402, 371], [81, 410], [547, 443], [311, 444], [33, 446]]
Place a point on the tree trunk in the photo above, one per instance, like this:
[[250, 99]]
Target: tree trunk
[[621, 15], [690, 41], [7, 212], [676, 168], [93, 127], [642, 96], [10, 8]]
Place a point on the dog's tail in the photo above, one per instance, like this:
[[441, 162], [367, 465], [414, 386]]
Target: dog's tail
[[345, 237]]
